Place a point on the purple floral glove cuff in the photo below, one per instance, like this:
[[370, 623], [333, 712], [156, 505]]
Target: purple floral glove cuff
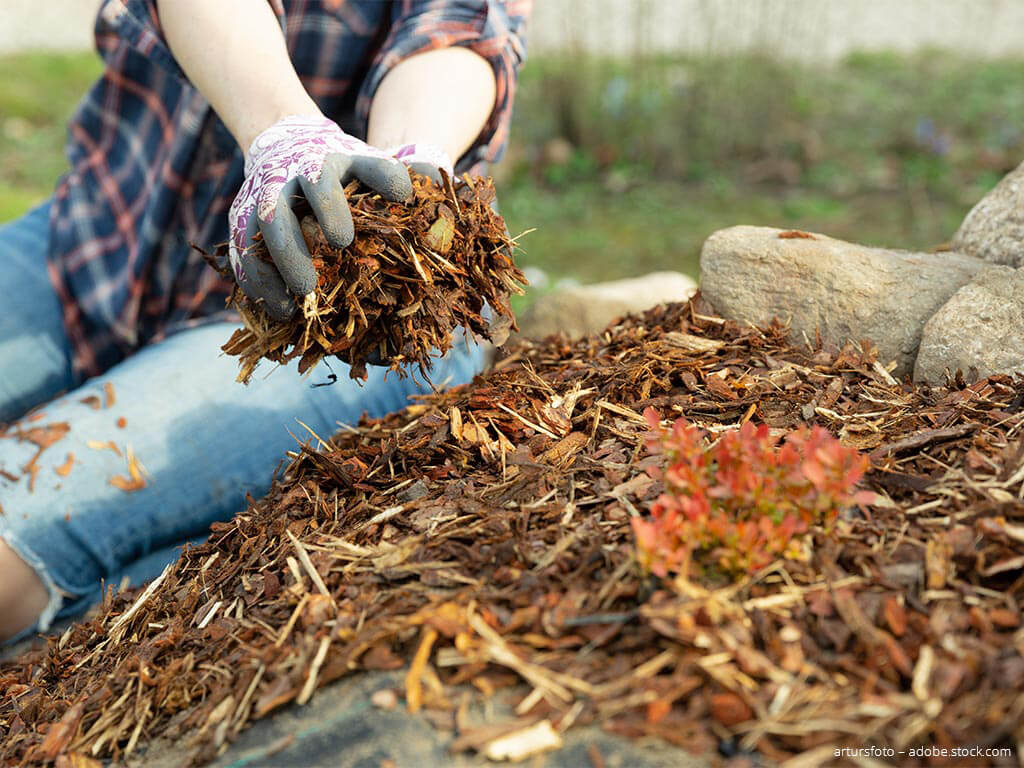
[[423, 155]]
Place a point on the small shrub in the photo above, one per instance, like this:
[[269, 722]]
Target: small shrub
[[745, 501]]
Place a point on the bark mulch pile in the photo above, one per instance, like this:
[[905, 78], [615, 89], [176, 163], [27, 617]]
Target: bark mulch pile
[[483, 536], [414, 274]]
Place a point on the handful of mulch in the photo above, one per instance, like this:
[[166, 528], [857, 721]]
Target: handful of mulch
[[414, 274]]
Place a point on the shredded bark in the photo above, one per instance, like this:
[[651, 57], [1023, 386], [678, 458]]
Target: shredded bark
[[482, 535], [414, 274]]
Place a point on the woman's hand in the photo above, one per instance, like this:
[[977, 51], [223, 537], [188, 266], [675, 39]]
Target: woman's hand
[[427, 159], [311, 157]]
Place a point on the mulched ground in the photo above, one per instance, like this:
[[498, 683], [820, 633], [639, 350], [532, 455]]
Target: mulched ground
[[483, 536]]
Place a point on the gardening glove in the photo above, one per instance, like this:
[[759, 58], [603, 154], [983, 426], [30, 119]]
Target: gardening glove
[[424, 158], [308, 156]]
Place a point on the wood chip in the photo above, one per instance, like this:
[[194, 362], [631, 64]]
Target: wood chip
[[525, 743]]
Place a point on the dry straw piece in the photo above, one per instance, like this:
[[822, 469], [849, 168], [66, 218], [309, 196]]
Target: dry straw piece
[[482, 536], [414, 274]]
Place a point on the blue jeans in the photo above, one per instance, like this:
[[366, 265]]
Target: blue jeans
[[203, 440]]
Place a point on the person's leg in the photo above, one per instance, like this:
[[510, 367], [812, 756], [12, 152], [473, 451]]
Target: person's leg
[[23, 596], [203, 440], [35, 356], [35, 364]]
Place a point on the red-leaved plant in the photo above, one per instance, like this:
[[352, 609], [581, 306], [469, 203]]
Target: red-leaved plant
[[746, 500]]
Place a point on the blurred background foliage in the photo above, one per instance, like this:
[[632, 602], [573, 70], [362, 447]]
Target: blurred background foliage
[[38, 92], [625, 165]]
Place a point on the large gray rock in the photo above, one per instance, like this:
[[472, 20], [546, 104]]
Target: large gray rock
[[843, 290], [981, 328], [583, 309], [993, 230]]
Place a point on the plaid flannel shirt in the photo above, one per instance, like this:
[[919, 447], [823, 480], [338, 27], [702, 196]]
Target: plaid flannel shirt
[[154, 170]]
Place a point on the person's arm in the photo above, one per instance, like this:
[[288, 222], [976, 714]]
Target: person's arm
[[442, 97], [458, 87], [234, 53]]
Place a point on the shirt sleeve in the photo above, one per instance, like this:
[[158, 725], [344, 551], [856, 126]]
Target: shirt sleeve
[[494, 29], [135, 24]]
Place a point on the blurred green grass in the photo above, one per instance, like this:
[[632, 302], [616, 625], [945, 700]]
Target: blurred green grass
[[625, 166], [585, 233], [38, 92]]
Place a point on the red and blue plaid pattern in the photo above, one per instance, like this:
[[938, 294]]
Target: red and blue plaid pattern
[[153, 169]]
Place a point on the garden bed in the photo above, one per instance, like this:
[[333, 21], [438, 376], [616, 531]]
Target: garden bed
[[484, 536]]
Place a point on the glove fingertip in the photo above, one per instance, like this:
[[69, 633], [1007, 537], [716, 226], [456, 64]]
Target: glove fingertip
[[427, 169], [300, 276], [280, 310], [340, 240], [395, 186], [264, 286], [384, 175], [338, 230]]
